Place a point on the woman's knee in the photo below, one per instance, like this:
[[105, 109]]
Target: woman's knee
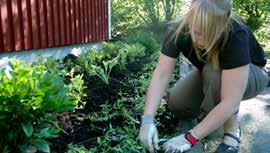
[[257, 82], [211, 82], [180, 109]]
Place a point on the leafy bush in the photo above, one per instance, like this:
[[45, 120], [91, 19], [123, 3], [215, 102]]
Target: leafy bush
[[133, 51], [66, 69], [256, 12], [146, 39], [29, 96]]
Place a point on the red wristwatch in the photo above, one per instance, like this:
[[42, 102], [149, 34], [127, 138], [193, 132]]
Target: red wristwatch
[[191, 139]]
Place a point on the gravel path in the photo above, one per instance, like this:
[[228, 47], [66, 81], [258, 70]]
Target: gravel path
[[255, 122], [254, 117]]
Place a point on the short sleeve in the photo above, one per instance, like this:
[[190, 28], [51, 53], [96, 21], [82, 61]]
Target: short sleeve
[[236, 52], [169, 47]]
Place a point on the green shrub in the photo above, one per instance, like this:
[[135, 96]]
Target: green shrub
[[146, 39], [133, 51], [66, 69], [111, 49], [29, 96]]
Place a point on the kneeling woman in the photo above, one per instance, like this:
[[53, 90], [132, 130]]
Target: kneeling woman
[[230, 68]]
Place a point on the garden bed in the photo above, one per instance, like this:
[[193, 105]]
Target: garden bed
[[110, 109]]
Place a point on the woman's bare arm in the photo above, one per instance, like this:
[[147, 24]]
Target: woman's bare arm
[[233, 86], [158, 83]]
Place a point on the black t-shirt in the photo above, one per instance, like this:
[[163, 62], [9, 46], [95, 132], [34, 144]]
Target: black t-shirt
[[241, 48]]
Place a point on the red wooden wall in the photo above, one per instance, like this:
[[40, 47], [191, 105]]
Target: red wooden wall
[[30, 24]]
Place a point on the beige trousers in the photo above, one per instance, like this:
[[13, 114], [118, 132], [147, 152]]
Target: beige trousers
[[200, 92]]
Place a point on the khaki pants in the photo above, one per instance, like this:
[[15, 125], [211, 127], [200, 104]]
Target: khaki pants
[[198, 93]]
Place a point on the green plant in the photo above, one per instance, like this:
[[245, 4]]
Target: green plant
[[104, 115], [29, 97], [77, 88], [77, 149], [103, 72], [120, 140]]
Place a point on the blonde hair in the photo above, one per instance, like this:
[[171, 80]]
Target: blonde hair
[[213, 19]]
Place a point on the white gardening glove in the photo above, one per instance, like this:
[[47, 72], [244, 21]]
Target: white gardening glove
[[149, 134], [181, 143]]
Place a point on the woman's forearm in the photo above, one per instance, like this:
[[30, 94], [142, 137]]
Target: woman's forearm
[[216, 118], [155, 92]]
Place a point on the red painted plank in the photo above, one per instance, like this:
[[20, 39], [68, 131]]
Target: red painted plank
[[87, 20], [91, 20], [42, 24], [65, 25], [51, 18], [83, 20], [100, 19], [57, 23], [25, 25], [46, 32], [61, 22], [74, 21], [70, 21], [38, 28], [94, 21], [76, 9], [97, 21], [80, 20], [11, 26], [34, 22], [5, 24], [103, 20], [75, 30], [68, 12], [20, 24], [15, 26], [106, 20], [2, 48]]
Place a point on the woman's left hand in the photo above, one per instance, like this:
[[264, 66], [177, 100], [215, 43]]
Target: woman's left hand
[[177, 144]]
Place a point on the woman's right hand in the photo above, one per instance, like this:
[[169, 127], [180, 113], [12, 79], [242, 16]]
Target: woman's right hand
[[161, 76], [149, 137]]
